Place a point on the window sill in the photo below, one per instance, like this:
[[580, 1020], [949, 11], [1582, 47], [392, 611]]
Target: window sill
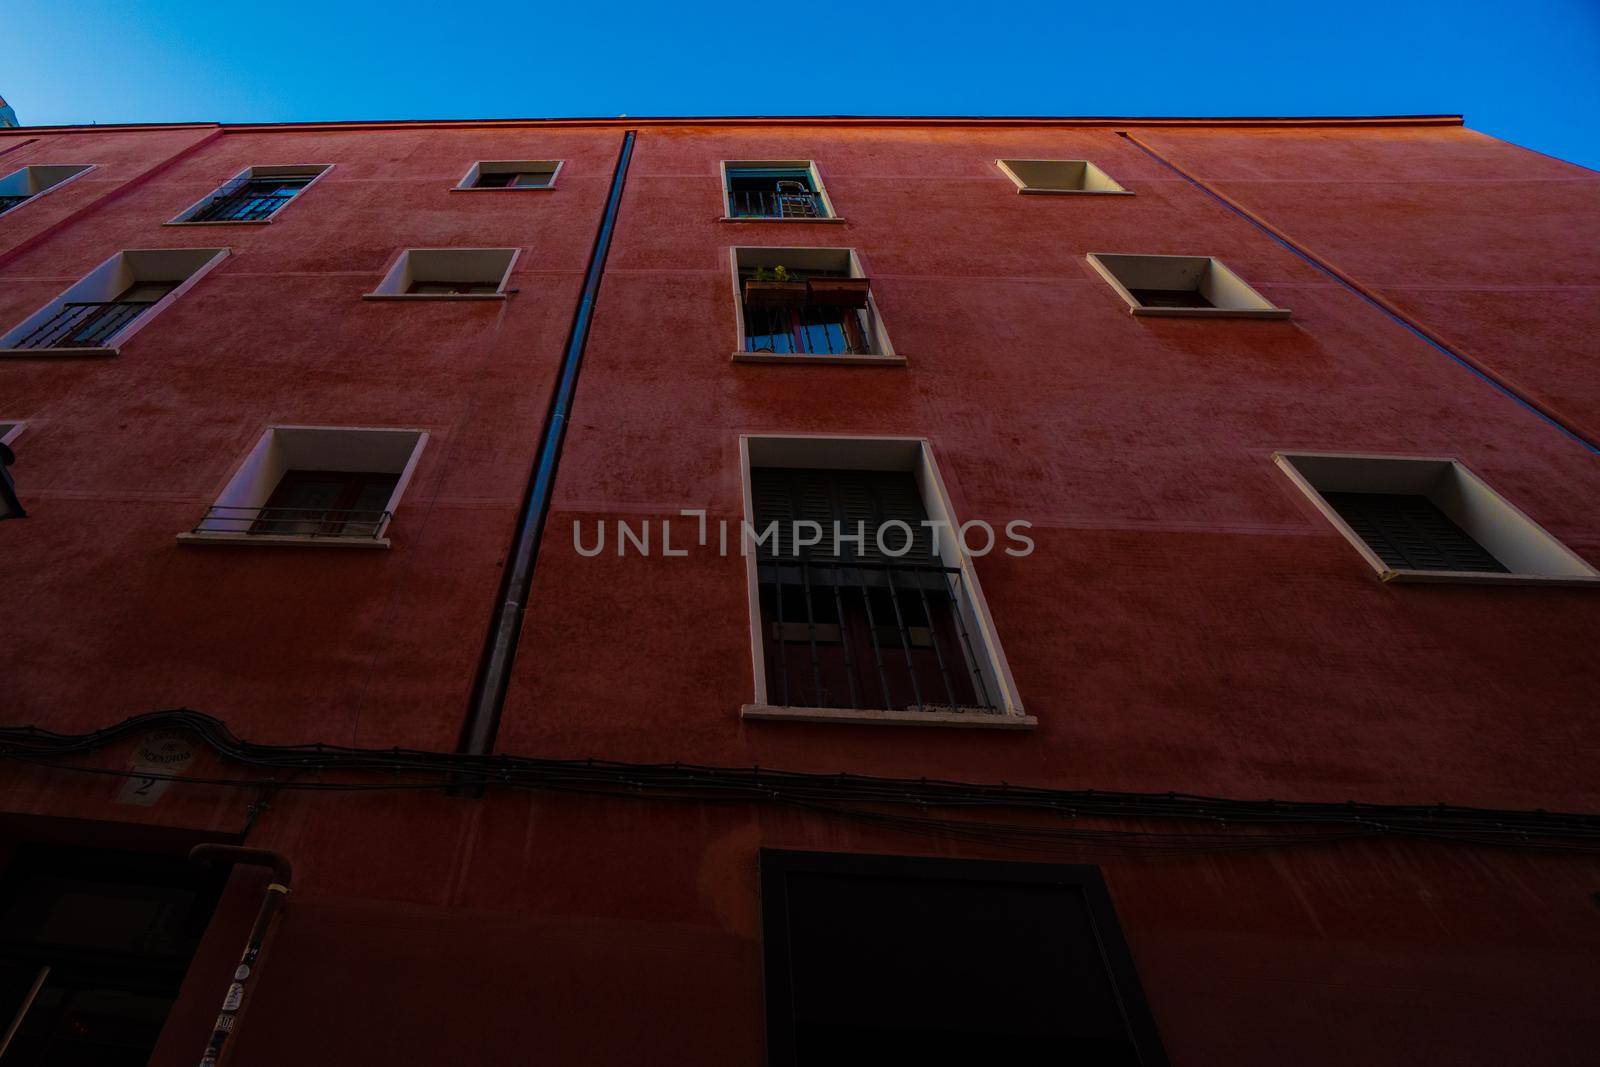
[[284, 540], [972, 720], [57, 353], [1210, 313], [434, 296], [1074, 192], [835, 361], [503, 189], [775, 218], [220, 222], [1486, 578]]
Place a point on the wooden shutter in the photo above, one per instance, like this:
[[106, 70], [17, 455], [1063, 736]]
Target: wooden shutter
[[1409, 532]]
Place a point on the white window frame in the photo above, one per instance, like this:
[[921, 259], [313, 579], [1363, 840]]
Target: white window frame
[[274, 171], [107, 281], [1531, 555], [400, 274], [1091, 180], [256, 477], [807, 165], [83, 168], [884, 356], [11, 429], [915, 455], [1232, 296], [468, 182]]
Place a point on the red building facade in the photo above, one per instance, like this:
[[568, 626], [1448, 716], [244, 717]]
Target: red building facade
[[1312, 794]]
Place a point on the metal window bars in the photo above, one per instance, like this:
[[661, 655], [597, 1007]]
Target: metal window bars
[[839, 633], [249, 200], [788, 200], [84, 324], [359, 523], [808, 329], [9, 202]]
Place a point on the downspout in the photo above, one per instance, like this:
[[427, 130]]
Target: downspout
[[494, 671], [277, 889], [1372, 298]]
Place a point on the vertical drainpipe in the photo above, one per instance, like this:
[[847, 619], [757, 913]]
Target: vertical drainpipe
[[494, 671]]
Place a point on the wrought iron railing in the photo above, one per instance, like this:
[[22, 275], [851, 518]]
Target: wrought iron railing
[[360, 523], [773, 205], [242, 201], [84, 324], [807, 329], [842, 633], [9, 202]]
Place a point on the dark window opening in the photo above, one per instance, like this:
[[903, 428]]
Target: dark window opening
[[1171, 298], [426, 288], [327, 504], [93, 323], [853, 625], [1409, 532], [9, 202], [773, 193], [878, 959], [513, 179], [806, 327], [251, 199], [93, 950]]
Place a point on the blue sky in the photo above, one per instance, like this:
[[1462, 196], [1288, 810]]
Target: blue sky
[[1528, 72]]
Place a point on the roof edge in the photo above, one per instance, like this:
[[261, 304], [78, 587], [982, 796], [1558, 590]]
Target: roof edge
[[1021, 121]]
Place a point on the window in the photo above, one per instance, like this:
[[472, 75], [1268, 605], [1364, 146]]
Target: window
[[1182, 285], [1059, 176], [10, 506], [20, 186], [896, 959], [111, 302], [1426, 519], [93, 949], [807, 304], [512, 174], [314, 485], [888, 628], [788, 189], [447, 274], [255, 194]]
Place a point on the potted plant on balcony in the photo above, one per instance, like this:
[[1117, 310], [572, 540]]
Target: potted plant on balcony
[[774, 288], [839, 292]]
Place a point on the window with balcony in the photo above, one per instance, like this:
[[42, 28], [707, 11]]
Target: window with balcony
[[902, 959], [1172, 286], [1423, 519], [775, 189], [866, 609], [20, 186], [796, 304], [255, 194], [110, 303], [1069, 176], [314, 485], [526, 174], [94, 946], [447, 274]]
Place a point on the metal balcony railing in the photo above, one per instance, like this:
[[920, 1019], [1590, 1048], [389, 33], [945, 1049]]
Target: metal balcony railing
[[775, 205], [9, 202], [359, 523], [84, 324], [842, 633], [807, 330], [246, 201]]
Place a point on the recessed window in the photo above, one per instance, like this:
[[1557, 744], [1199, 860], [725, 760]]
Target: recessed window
[[863, 955], [512, 174], [314, 485], [889, 626], [10, 506], [1059, 176], [447, 274], [20, 186], [806, 304], [255, 194], [782, 189], [110, 303], [1182, 286], [1426, 519], [94, 946]]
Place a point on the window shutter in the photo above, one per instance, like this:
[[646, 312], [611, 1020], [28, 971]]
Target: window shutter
[[1409, 532], [868, 498]]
